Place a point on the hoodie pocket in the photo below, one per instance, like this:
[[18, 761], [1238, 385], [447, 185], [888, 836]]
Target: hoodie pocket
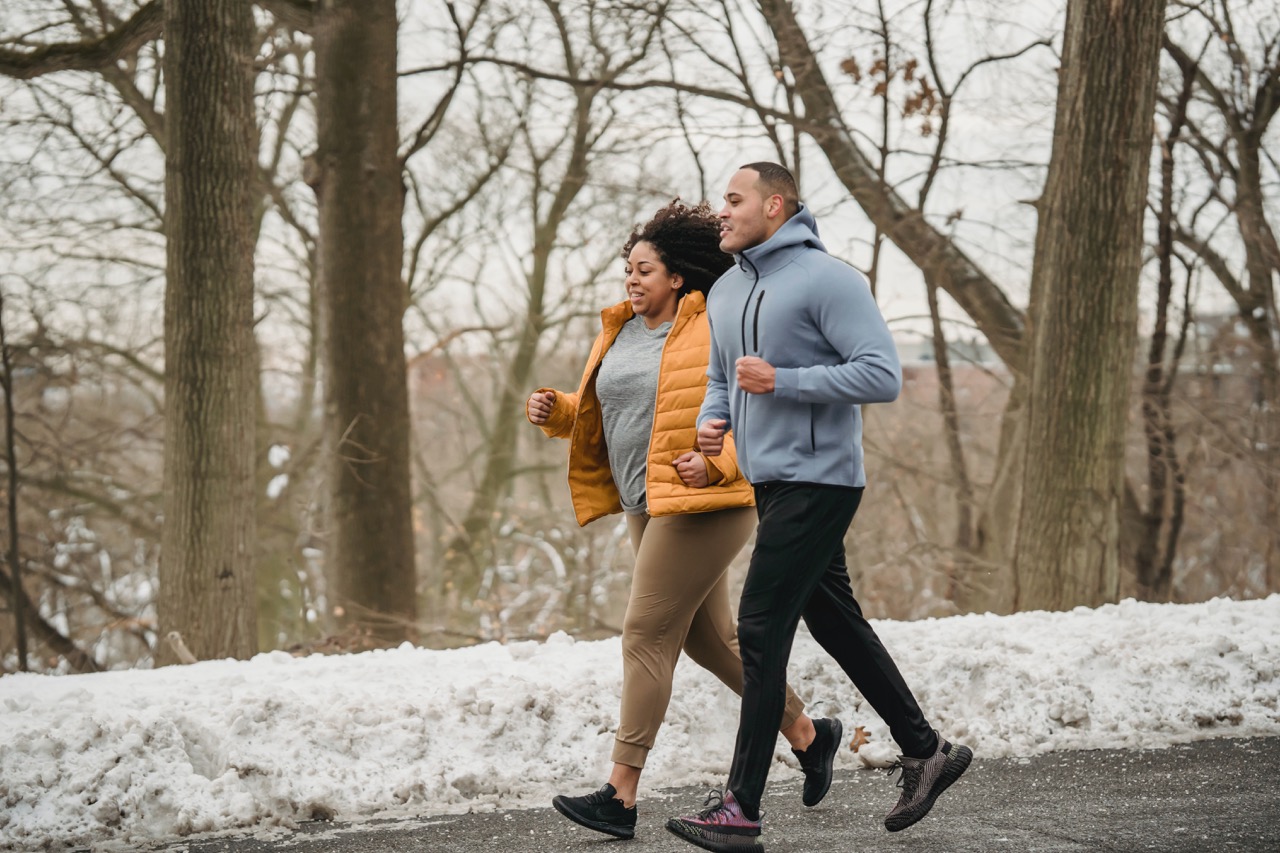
[[813, 432]]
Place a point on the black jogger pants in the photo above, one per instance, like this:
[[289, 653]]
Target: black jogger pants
[[798, 569]]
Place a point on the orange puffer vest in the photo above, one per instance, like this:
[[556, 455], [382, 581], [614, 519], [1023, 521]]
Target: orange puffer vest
[[682, 382]]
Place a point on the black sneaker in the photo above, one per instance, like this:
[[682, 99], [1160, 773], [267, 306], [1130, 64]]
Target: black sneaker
[[923, 780], [819, 759], [599, 811]]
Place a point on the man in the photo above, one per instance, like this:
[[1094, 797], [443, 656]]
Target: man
[[797, 345]]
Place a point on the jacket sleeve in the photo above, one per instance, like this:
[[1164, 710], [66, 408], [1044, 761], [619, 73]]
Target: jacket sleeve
[[723, 469], [715, 403], [560, 423], [847, 316], [565, 409]]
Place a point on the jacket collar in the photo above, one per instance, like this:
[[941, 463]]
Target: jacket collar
[[691, 305]]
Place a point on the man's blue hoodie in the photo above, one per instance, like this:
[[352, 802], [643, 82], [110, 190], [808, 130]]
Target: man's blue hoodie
[[813, 318]]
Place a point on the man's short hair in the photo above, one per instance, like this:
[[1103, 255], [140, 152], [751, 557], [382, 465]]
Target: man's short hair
[[777, 180]]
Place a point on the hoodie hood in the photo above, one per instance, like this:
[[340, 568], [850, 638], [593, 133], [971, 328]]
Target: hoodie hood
[[798, 233]]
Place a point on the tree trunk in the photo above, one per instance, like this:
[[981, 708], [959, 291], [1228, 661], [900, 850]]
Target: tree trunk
[[1166, 480], [958, 565], [370, 552], [206, 566], [1083, 319], [1260, 316], [11, 497]]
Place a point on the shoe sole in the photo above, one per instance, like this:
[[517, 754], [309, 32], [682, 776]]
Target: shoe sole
[[606, 828], [718, 842], [957, 762], [837, 732]]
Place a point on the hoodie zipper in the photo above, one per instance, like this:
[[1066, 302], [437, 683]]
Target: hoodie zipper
[[755, 339], [755, 324], [746, 306]]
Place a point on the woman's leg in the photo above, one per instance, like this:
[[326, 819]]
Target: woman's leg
[[680, 586], [679, 561]]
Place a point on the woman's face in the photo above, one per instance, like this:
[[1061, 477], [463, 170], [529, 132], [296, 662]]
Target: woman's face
[[651, 287]]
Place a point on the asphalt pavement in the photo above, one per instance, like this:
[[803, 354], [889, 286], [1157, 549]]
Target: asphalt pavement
[[1213, 795]]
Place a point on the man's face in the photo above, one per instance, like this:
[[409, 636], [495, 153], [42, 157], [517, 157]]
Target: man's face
[[743, 222]]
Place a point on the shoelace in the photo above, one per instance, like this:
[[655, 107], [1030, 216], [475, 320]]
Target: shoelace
[[713, 803], [597, 798], [908, 780], [717, 811]]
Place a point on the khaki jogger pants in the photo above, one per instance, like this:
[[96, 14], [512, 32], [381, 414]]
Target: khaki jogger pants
[[679, 599]]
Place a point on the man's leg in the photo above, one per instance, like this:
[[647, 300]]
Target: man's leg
[[837, 624], [801, 527], [929, 764]]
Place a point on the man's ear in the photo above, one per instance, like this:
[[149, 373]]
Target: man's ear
[[775, 205]]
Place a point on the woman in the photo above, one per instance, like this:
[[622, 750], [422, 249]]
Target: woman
[[630, 426]]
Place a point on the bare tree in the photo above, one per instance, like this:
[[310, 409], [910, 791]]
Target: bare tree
[[357, 179], [206, 579], [1236, 77], [1166, 475], [11, 495], [206, 563], [1084, 290]]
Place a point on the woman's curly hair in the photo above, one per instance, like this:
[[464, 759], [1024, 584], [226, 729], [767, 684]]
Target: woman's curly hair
[[687, 240]]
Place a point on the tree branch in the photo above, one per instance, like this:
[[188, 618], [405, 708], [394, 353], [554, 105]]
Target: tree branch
[[92, 54]]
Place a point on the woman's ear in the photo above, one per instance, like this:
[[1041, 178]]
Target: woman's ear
[[677, 282]]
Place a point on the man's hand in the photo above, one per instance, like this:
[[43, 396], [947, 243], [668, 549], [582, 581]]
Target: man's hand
[[711, 437], [692, 469], [539, 406], [755, 375]]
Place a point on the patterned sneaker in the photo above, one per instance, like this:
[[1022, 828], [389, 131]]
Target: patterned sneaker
[[923, 780], [599, 811], [819, 759], [721, 827]]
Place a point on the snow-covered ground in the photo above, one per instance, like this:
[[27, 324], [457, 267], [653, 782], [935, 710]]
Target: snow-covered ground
[[117, 758]]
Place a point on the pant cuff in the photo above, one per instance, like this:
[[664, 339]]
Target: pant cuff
[[630, 754]]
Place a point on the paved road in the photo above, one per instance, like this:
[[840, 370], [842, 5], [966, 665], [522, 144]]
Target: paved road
[[1218, 795]]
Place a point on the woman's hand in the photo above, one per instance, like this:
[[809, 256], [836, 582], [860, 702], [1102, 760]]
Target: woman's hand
[[692, 469], [540, 405]]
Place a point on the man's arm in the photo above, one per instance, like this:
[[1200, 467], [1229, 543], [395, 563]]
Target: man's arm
[[847, 316]]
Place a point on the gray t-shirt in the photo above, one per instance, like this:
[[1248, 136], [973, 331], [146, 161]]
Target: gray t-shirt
[[627, 386]]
